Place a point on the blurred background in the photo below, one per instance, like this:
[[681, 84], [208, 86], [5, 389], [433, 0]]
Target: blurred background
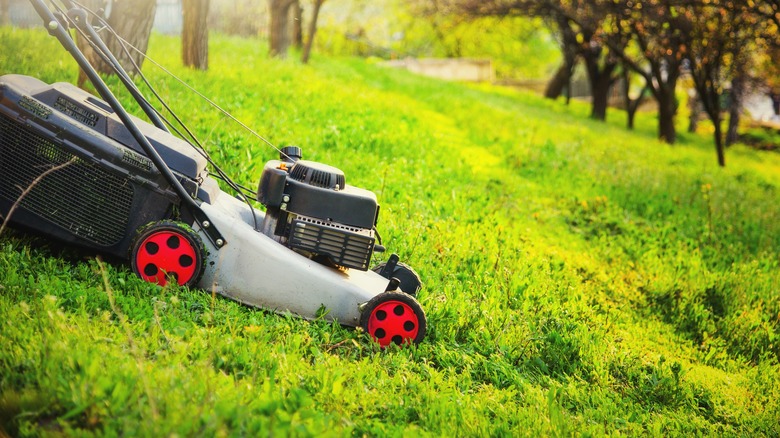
[[712, 62]]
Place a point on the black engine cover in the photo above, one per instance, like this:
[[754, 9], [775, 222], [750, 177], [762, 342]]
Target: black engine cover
[[317, 195]]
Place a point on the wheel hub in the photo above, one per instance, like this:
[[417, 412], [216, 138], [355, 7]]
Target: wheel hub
[[166, 253], [393, 321]]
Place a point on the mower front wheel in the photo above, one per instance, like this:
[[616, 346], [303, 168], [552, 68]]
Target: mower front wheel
[[394, 317], [168, 250], [409, 280]]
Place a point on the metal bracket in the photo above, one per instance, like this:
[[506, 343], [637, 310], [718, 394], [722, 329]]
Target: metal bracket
[[213, 234], [389, 268]]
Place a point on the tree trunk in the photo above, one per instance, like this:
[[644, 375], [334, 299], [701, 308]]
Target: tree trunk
[[631, 112], [5, 19], [693, 110], [569, 47], [735, 110], [297, 36], [130, 20], [719, 141], [312, 31], [195, 34], [600, 95], [693, 123], [279, 29], [601, 81], [558, 82], [709, 94], [133, 22], [631, 105], [667, 108]]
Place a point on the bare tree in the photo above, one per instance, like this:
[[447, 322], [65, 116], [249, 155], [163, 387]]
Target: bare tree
[[279, 29], [632, 104], [657, 31], [132, 21], [567, 40], [4, 18], [195, 34], [719, 52], [297, 36], [312, 31]]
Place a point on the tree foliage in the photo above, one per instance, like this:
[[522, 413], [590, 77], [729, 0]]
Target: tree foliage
[[438, 28], [719, 34], [769, 10]]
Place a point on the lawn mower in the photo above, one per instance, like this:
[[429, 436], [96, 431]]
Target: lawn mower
[[80, 169]]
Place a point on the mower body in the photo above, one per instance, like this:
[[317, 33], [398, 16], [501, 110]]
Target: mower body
[[307, 254]]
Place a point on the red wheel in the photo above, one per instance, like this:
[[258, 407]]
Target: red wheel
[[394, 317], [168, 250]]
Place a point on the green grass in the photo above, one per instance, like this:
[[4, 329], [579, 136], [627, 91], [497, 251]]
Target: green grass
[[579, 278]]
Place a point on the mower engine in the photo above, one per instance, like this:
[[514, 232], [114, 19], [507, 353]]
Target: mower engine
[[311, 209]]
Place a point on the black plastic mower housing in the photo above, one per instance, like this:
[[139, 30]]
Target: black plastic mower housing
[[108, 189]]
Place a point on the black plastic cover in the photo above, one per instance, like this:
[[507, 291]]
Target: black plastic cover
[[96, 115], [105, 191], [271, 188], [349, 205]]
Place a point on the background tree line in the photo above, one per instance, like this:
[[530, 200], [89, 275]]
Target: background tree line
[[132, 22], [717, 45], [720, 43]]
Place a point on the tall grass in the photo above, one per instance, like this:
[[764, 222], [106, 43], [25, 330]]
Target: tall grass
[[579, 278]]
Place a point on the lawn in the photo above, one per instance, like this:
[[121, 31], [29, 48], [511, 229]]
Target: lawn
[[579, 278]]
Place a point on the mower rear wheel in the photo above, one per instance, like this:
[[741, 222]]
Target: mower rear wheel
[[394, 317], [168, 250]]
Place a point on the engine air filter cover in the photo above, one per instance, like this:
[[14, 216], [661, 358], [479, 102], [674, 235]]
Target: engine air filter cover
[[318, 175], [344, 245]]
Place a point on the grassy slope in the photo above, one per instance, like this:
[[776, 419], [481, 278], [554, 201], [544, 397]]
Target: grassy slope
[[579, 278]]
